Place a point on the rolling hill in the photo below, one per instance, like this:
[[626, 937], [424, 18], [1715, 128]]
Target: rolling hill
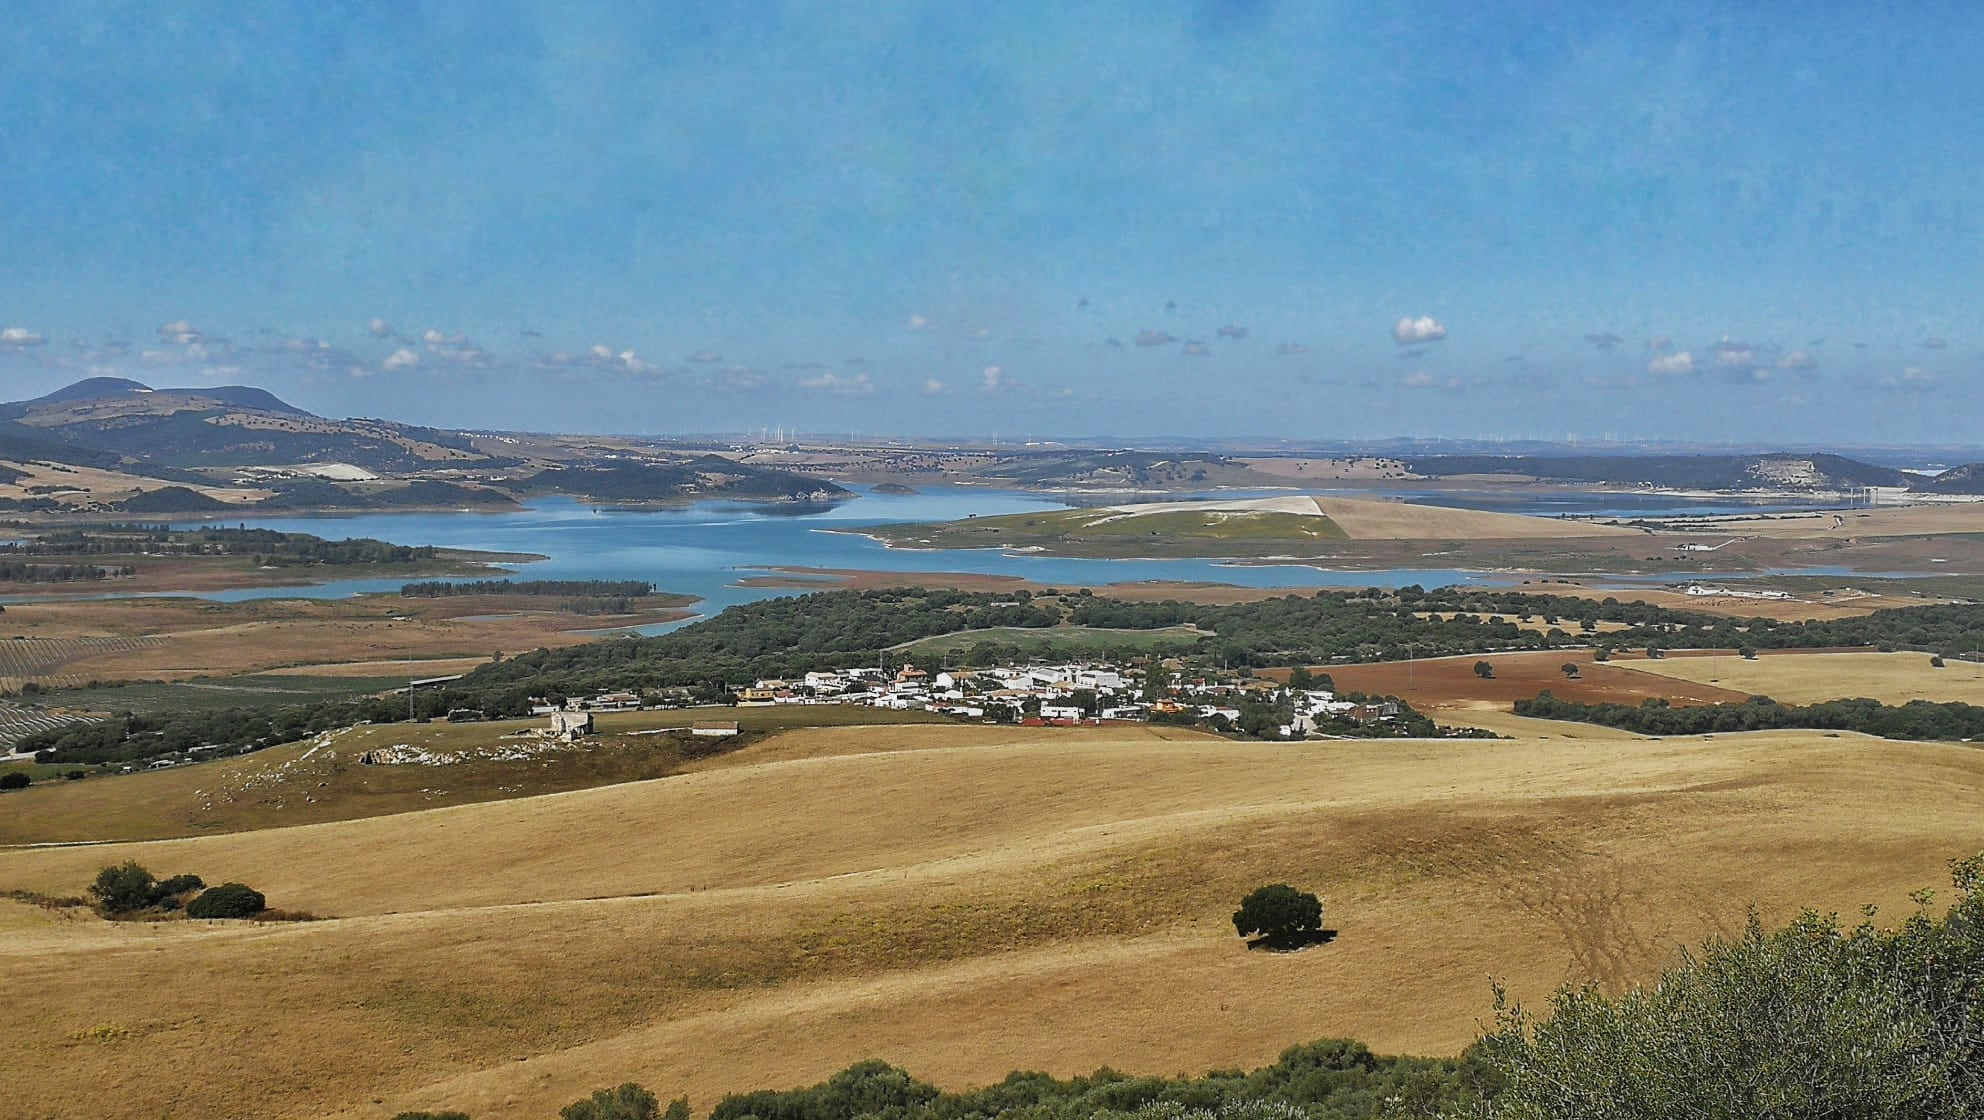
[[237, 448], [963, 901]]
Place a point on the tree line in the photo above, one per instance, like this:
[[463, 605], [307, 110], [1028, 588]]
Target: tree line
[[268, 546], [1917, 719]]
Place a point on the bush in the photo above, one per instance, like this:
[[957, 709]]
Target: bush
[[1282, 915], [628, 1102], [124, 889], [1807, 1021], [15, 779], [229, 900], [1484, 670]]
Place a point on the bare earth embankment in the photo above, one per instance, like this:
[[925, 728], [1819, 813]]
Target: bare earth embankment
[[963, 901]]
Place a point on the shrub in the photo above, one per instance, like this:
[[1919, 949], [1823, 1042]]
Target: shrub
[[1936, 661], [1807, 1021], [124, 889], [1484, 670], [169, 892], [15, 779], [628, 1102], [1282, 915], [229, 900]]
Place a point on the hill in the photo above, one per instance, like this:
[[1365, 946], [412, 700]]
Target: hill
[[1258, 527], [962, 901], [1814, 472], [237, 448]]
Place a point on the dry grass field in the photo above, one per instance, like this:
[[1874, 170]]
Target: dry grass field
[[1439, 683], [1800, 677], [960, 900], [435, 764]]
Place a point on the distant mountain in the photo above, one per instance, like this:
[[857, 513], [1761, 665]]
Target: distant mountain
[[92, 390], [237, 448], [1816, 472], [1966, 479]]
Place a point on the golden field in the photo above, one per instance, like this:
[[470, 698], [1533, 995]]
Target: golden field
[[1801, 677], [962, 901]]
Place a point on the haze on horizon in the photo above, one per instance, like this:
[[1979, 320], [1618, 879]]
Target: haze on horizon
[[1309, 221]]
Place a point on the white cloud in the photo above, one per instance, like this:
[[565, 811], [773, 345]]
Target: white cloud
[[1420, 379], [403, 358], [1195, 348], [380, 328], [1735, 355], [1672, 365], [858, 385], [179, 331], [1658, 343], [707, 357], [1409, 331], [601, 352], [21, 336], [1796, 359], [1912, 379], [995, 379], [918, 323], [932, 385]]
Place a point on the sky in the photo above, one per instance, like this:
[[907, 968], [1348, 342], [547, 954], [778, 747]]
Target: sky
[[1759, 224]]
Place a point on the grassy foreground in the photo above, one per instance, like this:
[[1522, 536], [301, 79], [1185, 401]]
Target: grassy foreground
[[961, 901]]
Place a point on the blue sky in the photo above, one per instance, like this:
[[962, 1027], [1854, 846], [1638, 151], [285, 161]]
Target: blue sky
[[1297, 220]]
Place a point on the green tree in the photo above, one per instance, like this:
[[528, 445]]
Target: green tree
[[627, 1102], [1280, 914], [1571, 669], [124, 888], [229, 900], [1484, 670], [15, 779]]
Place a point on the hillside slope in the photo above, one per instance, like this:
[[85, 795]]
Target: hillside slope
[[960, 901]]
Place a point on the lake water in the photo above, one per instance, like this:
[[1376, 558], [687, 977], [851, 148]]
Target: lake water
[[703, 549]]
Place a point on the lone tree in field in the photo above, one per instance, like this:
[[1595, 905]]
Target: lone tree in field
[[1283, 916], [1483, 670], [1571, 669]]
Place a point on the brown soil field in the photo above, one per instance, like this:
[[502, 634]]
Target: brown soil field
[[1802, 677], [1443, 682], [957, 902]]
